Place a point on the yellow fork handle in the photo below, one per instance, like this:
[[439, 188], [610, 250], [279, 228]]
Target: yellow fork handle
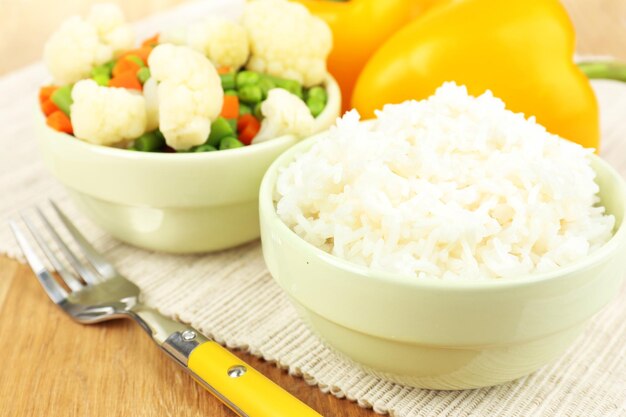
[[242, 388]]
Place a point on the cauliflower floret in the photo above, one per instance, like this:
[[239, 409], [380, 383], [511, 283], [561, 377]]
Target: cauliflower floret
[[108, 19], [73, 50], [285, 114], [151, 94], [79, 45], [189, 93], [287, 41], [105, 115], [221, 40]]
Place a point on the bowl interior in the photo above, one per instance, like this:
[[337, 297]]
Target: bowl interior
[[169, 180]]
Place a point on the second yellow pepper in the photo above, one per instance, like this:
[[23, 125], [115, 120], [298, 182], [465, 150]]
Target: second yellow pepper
[[521, 50]]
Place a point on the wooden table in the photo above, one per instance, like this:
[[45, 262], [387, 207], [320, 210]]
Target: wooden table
[[52, 366]]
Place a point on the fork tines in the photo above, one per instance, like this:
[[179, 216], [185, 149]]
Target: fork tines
[[94, 270]]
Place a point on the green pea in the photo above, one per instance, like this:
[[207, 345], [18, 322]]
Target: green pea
[[233, 124], [62, 97], [256, 111], [230, 142], [317, 93], [110, 65], [315, 106], [101, 79], [220, 128], [136, 60], [143, 74], [102, 74], [292, 86], [149, 142], [228, 81], [244, 109], [250, 94], [265, 84], [205, 148], [104, 69], [231, 92], [244, 78]]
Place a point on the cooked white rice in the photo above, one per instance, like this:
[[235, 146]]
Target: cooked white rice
[[452, 187]]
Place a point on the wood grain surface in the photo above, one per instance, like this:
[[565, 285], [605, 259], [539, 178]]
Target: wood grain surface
[[55, 367]]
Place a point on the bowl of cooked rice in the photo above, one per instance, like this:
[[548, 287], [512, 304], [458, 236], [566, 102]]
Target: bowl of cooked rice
[[447, 244]]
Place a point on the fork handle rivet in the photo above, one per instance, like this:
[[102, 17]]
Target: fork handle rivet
[[188, 335], [236, 371]]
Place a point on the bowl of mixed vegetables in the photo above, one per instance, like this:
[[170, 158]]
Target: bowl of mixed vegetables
[[164, 144]]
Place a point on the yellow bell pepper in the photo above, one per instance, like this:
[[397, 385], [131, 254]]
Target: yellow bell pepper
[[359, 27], [521, 50]]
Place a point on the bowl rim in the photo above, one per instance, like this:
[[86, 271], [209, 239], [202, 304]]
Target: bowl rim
[[162, 157], [334, 100], [268, 213]]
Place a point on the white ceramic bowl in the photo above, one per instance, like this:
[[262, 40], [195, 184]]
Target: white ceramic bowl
[[440, 334], [181, 203]]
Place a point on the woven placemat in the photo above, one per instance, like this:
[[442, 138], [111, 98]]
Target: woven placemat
[[231, 297]]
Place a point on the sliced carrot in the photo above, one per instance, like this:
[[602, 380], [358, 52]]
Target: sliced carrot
[[125, 65], [46, 91], [248, 126], [126, 79], [223, 70], [48, 107], [153, 41], [230, 108], [143, 53], [248, 134], [245, 120], [59, 121]]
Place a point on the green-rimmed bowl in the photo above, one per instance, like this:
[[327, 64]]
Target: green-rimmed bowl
[[180, 203], [440, 334]]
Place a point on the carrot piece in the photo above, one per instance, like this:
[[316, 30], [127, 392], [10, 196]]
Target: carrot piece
[[60, 122], [248, 134], [152, 41], [142, 53], [125, 65], [245, 120], [223, 70], [248, 126], [46, 91], [230, 108], [127, 79], [48, 107]]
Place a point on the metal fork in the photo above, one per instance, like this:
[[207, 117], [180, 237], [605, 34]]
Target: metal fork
[[93, 291]]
